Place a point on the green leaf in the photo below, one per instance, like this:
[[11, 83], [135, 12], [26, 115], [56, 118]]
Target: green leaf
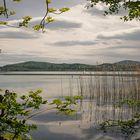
[[49, 19], [3, 23], [52, 10], [65, 9], [12, 12], [57, 102], [49, 1], [23, 97], [25, 21]]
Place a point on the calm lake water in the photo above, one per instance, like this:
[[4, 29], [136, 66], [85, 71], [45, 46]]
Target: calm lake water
[[100, 92]]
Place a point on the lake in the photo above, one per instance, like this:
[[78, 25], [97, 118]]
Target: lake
[[101, 92]]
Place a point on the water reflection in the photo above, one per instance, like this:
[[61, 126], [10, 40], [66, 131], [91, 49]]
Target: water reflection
[[101, 94]]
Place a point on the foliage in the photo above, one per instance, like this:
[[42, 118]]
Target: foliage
[[65, 106], [130, 103], [127, 127], [4, 11], [16, 111], [130, 7]]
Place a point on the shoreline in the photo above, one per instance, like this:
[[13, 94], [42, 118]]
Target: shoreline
[[73, 74]]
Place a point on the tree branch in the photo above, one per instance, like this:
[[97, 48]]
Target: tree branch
[[37, 113], [5, 7], [42, 23]]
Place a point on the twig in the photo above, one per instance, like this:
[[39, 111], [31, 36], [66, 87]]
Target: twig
[[37, 113], [5, 8], [42, 22]]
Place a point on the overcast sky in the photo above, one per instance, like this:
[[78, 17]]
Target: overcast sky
[[78, 36]]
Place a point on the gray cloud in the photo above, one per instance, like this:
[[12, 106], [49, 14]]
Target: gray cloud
[[95, 12], [18, 58], [17, 35], [63, 25], [12, 58], [124, 56], [36, 8], [116, 53], [74, 43], [124, 47], [59, 25], [135, 36]]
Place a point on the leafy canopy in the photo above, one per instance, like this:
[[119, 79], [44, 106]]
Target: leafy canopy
[[131, 7], [16, 111], [47, 18]]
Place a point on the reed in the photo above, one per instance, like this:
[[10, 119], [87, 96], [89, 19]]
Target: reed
[[102, 93]]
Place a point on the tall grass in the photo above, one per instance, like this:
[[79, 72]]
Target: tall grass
[[102, 93]]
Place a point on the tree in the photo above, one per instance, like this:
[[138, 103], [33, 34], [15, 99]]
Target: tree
[[16, 111], [131, 8], [4, 11]]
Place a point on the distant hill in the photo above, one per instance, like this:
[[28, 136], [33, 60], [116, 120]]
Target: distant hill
[[126, 65], [129, 62]]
